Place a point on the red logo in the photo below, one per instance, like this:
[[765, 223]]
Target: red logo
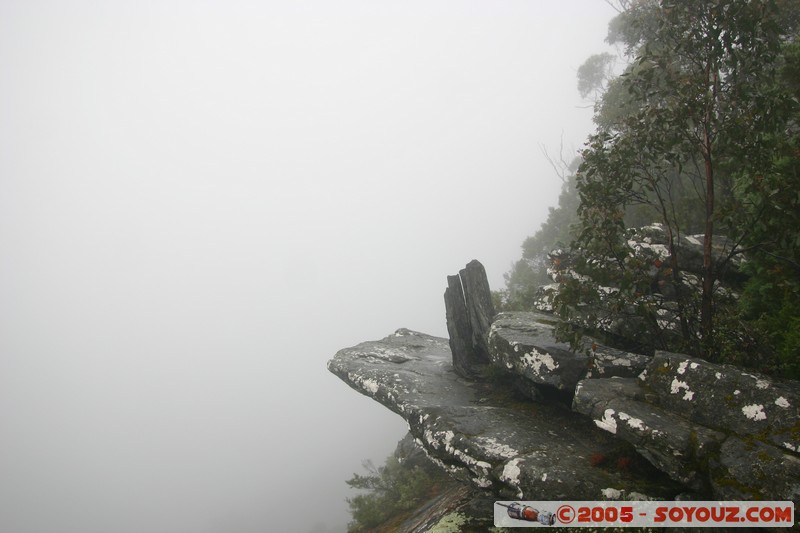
[[565, 514]]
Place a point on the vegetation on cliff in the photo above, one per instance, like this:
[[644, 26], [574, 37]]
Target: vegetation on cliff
[[701, 134], [390, 490]]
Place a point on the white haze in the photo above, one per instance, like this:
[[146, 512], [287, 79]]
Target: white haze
[[201, 202]]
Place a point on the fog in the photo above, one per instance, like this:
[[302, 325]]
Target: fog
[[201, 202]]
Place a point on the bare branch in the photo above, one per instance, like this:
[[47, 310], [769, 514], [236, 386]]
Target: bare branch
[[560, 166]]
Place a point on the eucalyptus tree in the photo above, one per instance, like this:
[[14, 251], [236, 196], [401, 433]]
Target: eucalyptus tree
[[684, 133]]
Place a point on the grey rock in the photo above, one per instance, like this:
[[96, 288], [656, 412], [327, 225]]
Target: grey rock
[[753, 470], [717, 429], [689, 250], [459, 329], [670, 442], [610, 362], [478, 298], [481, 435], [469, 312], [727, 398], [524, 343], [648, 244]]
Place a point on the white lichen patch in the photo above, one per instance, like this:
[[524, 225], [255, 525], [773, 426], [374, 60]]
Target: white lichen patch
[[607, 290], [659, 249], [382, 353], [677, 386], [462, 455], [643, 375], [511, 472], [494, 448], [608, 422], [782, 402], [737, 392], [635, 423], [544, 477], [754, 412], [482, 482], [611, 494], [762, 384], [718, 375], [693, 366], [693, 240], [535, 360], [682, 367], [366, 384]]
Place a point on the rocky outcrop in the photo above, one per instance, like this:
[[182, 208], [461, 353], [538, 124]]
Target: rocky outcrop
[[525, 344], [448, 501], [485, 436], [668, 441], [711, 430], [647, 247], [469, 311], [726, 397], [633, 426], [719, 430]]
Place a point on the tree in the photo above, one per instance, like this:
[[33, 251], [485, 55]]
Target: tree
[[530, 272], [594, 75], [693, 120], [390, 489]]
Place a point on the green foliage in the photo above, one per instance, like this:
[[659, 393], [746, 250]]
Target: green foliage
[[450, 523], [531, 271], [687, 136], [392, 489], [594, 74], [701, 133]]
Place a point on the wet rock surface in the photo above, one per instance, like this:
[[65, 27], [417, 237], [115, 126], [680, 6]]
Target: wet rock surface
[[668, 441], [723, 432], [524, 343], [727, 398], [469, 311], [603, 424], [515, 448]]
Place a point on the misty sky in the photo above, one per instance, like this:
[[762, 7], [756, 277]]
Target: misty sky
[[201, 202]]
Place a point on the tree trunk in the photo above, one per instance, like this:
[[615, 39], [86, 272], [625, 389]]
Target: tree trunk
[[706, 302]]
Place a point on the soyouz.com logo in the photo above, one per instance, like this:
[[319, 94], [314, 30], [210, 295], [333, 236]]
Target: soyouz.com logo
[[643, 514]]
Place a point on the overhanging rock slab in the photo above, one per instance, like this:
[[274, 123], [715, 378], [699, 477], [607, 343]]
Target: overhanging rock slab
[[520, 449], [524, 343]]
